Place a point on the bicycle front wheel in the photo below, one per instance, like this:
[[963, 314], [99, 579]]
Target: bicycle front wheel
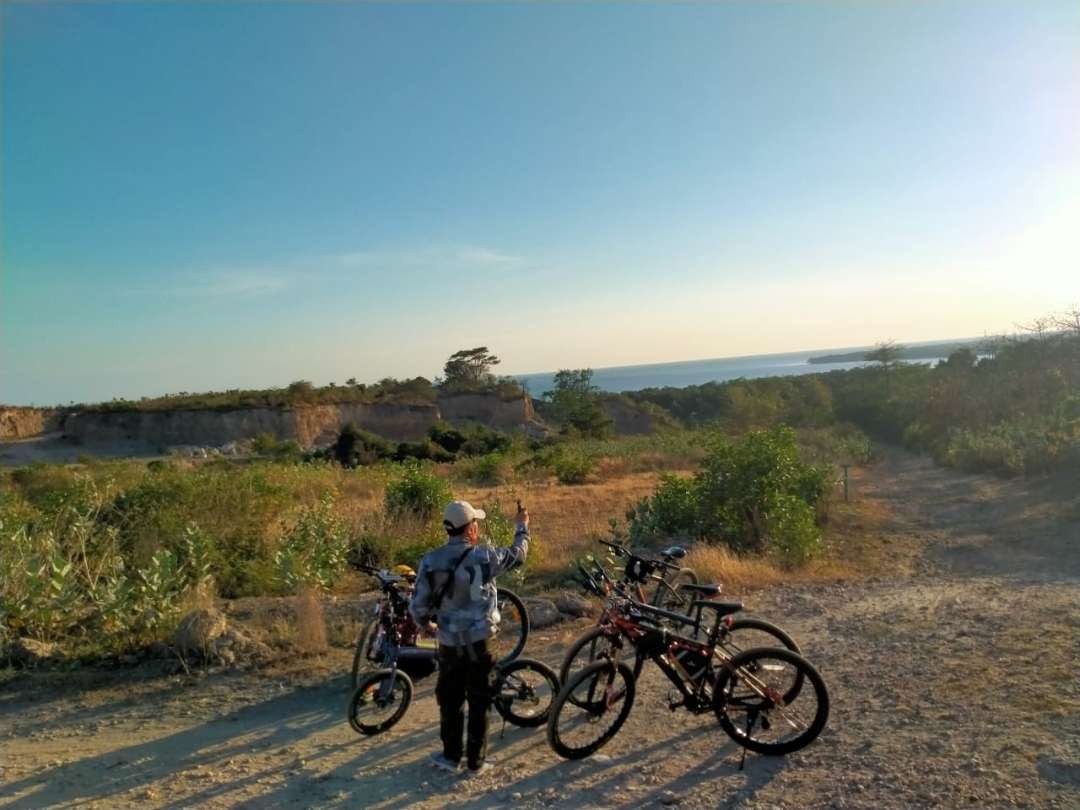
[[591, 709], [524, 691], [597, 644], [365, 646], [748, 700], [513, 627], [379, 701]]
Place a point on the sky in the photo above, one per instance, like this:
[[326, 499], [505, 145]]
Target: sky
[[231, 195]]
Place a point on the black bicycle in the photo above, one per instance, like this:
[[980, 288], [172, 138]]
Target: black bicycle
[[522, 690], [749, 692], [392, 619]]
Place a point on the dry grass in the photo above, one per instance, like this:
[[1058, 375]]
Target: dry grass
[[310, 623]]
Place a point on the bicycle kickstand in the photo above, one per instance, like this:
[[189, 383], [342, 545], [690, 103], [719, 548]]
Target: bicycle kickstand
[[751, 718]]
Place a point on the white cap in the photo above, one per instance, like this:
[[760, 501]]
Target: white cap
[[460, 514]]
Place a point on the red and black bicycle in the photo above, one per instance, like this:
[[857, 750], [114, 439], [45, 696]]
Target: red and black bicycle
[[769, 700]]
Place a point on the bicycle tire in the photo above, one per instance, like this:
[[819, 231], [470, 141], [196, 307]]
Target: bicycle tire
[[510, 647], [362, 696], [727, 706], [748, 623], [361, 662], [667, 594], [592, 646], [590, 678], [510, 689]]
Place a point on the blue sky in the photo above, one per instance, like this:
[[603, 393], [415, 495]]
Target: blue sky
[[209, 196]]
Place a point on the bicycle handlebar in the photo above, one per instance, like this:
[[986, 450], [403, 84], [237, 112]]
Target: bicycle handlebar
[[624, 551]]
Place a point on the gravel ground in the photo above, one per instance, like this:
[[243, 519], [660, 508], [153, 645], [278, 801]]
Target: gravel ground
[[953, 685]]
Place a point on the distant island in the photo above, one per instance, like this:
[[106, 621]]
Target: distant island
[[926, 351]]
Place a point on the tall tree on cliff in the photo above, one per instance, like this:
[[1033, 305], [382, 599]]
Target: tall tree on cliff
[[469, 368]]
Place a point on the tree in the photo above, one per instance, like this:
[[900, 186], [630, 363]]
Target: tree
[[301, 391], [576, 402], [469, 368], [888, 353]]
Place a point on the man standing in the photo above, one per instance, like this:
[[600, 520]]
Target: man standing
[[455, 585]]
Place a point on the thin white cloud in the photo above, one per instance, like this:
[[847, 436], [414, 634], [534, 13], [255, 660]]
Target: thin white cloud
[[434, 257], [227, 284]]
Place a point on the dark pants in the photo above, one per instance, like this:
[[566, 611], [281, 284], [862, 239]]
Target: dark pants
[[465, 673]]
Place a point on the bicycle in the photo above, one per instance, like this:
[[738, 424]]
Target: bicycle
[[736, 634], [522, 690], [746, 691], [391, 615], [672, 585]]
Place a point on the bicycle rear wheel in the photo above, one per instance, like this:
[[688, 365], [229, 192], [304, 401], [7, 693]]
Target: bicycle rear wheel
[[379, 701], [508, 643], [668, 594], [747, 633], [524, 691], [748, 701], [591, 709]]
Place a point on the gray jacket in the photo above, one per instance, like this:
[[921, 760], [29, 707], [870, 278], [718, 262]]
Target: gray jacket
[[469, 611]]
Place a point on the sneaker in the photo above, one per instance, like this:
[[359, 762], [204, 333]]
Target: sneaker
[[484, 768], [443, 763]]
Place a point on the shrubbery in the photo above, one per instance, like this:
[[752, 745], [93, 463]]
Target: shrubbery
[[753, 494], [417, 492]]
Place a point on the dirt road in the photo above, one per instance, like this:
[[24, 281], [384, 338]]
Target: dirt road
[[954, 686]]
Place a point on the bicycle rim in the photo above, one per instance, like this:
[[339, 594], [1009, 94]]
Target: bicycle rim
[[748, 701], [379, 701], [603, 696], [749, 633], [524, 692]]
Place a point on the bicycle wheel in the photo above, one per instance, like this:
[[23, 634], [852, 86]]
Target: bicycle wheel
[[524, 691], [748, 633], [365, 646], [668, 595], [603, 694], [513, 628], [379, 701], [749, 703], [596, 644]]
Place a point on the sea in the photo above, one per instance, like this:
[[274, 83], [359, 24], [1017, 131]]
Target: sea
[[695, 372]]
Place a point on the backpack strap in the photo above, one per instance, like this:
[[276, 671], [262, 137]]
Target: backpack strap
[[448, 586]]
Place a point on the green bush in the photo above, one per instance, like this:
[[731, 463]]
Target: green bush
[[671, 511], [572, 466], [791, 533], [313, 553], [746, 495], [418, 492], [355, 447], [488, 470]]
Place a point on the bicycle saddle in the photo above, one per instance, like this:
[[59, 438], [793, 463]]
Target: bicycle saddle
[[704, 590], [674, 553]]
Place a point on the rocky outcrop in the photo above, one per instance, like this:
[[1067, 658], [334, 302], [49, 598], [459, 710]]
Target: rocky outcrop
[[487, 409], [22, 423], [311, 425], [320, 424]]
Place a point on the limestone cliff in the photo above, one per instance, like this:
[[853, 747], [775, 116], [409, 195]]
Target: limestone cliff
[[308, 425], [22, 423]]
